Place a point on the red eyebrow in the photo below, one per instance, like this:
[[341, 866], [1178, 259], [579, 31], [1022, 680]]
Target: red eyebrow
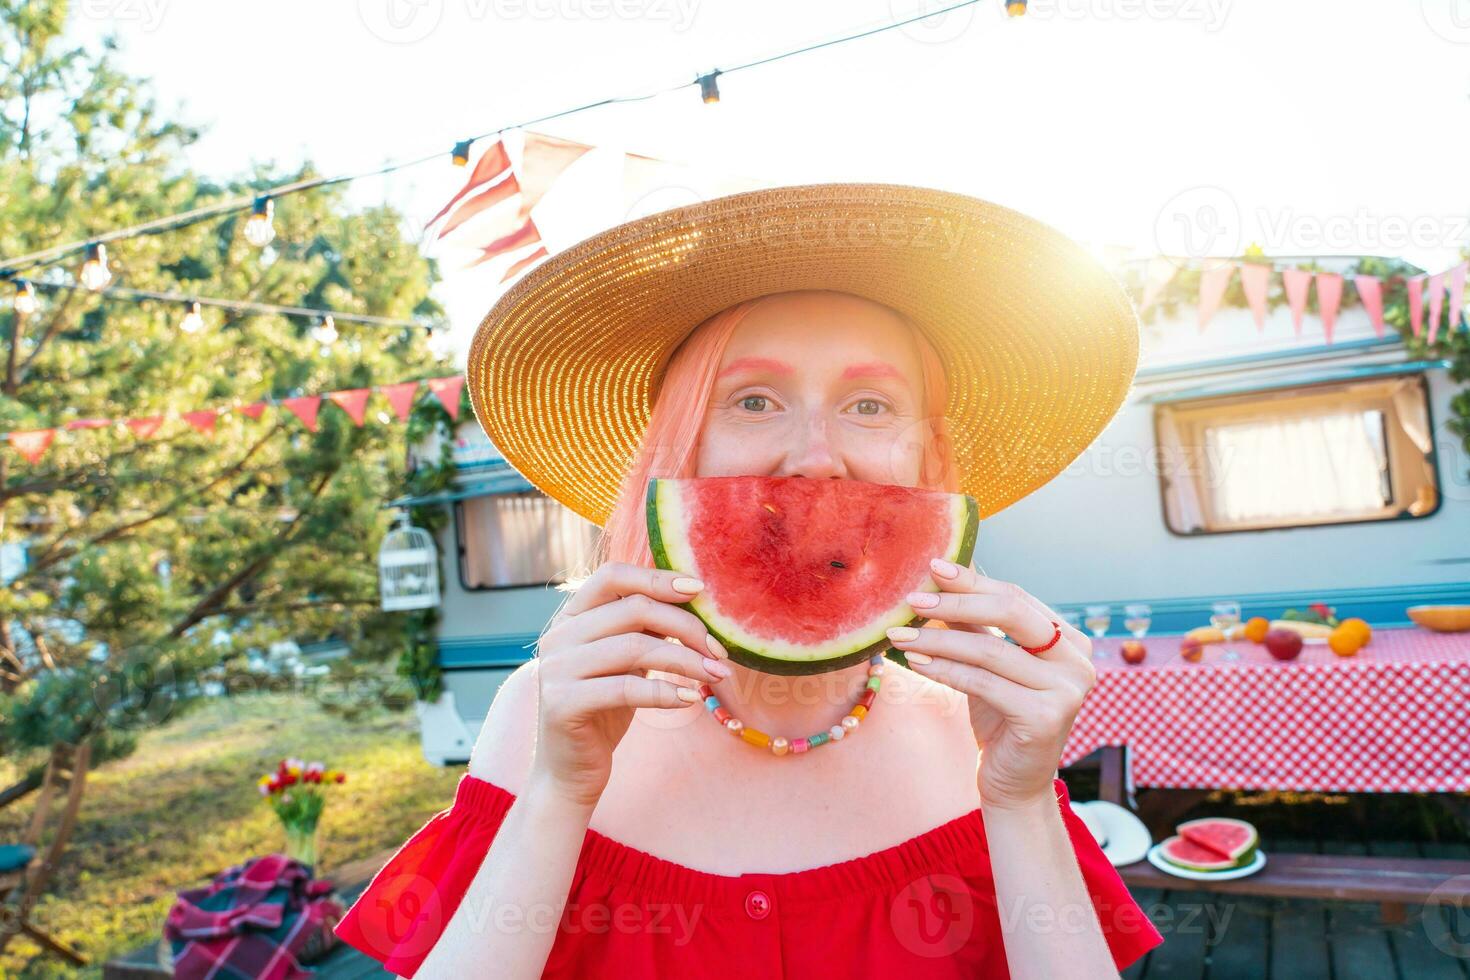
[[872, 369], [755, 364]]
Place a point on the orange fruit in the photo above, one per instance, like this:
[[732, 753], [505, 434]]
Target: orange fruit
[[1256, 628], [1365, 633], [1345, 641]]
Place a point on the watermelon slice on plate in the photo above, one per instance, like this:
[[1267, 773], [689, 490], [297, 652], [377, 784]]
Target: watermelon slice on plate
[[1232, 840], [805, 576], [1184, 853]]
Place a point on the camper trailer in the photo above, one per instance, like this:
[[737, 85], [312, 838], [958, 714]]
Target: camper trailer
[[1256, 464]]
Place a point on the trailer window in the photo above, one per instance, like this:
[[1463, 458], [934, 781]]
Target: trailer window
[[518, 540], [1322, 454]]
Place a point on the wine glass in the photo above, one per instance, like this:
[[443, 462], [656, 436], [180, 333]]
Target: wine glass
[[1137, 617], [1098, 619], [1225, 616]]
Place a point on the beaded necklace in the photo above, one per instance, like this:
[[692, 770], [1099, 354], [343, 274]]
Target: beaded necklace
[[779, 745]]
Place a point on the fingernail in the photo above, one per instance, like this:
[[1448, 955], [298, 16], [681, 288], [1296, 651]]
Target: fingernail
[[918, 658], [689, 694], [688, 586], [714, 647], [944, 569], [903, 634], [923, 600], [716, 668]]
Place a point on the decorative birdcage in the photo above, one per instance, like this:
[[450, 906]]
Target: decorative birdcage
[[408, 568]]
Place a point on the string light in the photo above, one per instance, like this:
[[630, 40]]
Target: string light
[[25, 298], [1015, 7], [259, 231], [461, 153], [709, 90], [95, 273], [325, 332], [193, 320]]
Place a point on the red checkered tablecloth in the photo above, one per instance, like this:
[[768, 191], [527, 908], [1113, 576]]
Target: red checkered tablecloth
[[1395, 718]]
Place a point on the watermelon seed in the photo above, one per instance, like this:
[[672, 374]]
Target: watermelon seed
[[837, 564], [769, 507]]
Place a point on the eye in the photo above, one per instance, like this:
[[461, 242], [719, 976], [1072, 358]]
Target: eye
[[869, 406], [754, 403]]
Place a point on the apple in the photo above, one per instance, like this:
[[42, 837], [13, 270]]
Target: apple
[[1192, 648], [1133, 652], [1283, 644]]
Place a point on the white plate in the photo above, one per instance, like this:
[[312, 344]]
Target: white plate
[[1123, 837], [1157, 860]]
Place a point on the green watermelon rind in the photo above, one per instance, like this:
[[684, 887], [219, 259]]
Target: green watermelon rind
[[1246, 849], [1221, 865], [748, 655]]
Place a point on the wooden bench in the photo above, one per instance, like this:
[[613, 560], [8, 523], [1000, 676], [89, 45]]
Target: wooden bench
[[1393, 882]]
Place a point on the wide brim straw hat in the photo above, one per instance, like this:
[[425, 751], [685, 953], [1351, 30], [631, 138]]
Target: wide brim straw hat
[[1038, 341]]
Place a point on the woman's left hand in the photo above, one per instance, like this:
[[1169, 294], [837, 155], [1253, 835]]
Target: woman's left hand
[[1021, 704]]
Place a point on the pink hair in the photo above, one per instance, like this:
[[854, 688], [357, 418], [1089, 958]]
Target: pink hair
[[669, 444]]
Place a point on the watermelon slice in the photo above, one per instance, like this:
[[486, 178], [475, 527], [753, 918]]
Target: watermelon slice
[[805, 576], [1227, 838], [1187, 854]]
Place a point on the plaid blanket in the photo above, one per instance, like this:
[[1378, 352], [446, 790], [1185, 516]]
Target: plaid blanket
[[250, 923]]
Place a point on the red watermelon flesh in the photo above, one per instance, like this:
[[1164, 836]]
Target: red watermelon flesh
[[1227, 838], [801, 575], [1186, 854]]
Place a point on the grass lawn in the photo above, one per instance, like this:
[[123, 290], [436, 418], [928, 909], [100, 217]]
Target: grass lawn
[[185, 805]]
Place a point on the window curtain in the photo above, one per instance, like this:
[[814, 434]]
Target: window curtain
[[522, 539], [1413, 416], [1182, 509]]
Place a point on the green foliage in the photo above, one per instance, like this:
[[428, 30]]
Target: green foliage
[[155, 565]]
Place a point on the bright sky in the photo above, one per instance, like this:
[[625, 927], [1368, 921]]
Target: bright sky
[[1182, 126]]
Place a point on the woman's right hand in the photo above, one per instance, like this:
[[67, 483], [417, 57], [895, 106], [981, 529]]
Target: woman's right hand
[[593, 665]]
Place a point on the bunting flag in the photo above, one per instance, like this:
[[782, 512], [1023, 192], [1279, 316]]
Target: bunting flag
[[1329, 298], [76, 425], [1457, 293], [1256, 281], [1436, 304], [32, 444], [1212, 286], [145, 427], [447, 391], [1296, 282], [491, 164], [483, 201], [1370, 291], [204, 420], [1158, 274], [1416, 303], [400, 396], [253, 411], [524, 263], [527, 234], [305, 409], [352, 401]]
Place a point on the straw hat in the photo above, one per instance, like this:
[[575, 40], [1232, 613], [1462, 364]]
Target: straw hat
[[1038, 341]]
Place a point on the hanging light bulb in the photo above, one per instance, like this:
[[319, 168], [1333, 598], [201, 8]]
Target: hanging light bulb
[[325, 332], [1015, 7], [440, 344], [25, 298], [258, 228], [709, 90], [461, 153], [95, 273], [193, 321]]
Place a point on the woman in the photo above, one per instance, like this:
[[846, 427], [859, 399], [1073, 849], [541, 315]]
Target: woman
[[607, 823]]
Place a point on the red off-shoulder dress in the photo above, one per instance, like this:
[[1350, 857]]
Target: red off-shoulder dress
[[925, 908]]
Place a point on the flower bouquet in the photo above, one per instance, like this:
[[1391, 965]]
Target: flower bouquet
[[296, 791]]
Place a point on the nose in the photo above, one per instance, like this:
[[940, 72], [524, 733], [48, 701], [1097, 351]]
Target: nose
[[813, 455]]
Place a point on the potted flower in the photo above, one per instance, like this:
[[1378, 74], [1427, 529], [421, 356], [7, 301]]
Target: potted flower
[[297, 792]]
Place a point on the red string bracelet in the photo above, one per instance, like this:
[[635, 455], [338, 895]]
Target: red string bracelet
[[1049, 643]]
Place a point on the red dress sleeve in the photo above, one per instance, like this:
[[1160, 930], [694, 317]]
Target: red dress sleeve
[[404, 909]]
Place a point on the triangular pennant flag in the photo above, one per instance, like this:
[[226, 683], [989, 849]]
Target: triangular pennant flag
[[1457, 294], [521, 264], [352, 401], [1329, 298], [1212, 286], [145, 427], [203, 420], [543, 159], [400, 396], [1370, 291], [447, 391], [1156, 276], [1256, 281], [33, 443], [76, 424], [488, 198], [254, 410], [1416, 303], [305, 409], [525, 235], [491, 164], [1436, 304], [1296, 283]]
